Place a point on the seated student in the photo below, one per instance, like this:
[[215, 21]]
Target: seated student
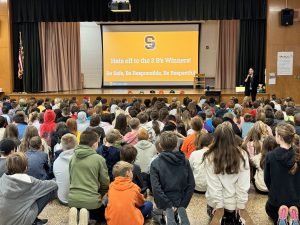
[[196, 161], [82, 122], [175, 193], [30, 132], [7, 146], [89, 178], [106, 121], [3, 124], [128, 154], [61, 166], [289, 114], [222, 110], [132, 137], [247, 125], [66, 114], [268, 144], [19, 120], [94, 126], [255, 137], [110, 153], [23, 197], [126, 205], [173, 127], [5, 111], [38, 165], [11, 132], [228, 117], [48, 126], [282, 176], [145, 150], [189, 145], [228, 172]]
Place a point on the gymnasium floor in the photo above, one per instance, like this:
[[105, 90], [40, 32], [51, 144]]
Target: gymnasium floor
[[58, 215]]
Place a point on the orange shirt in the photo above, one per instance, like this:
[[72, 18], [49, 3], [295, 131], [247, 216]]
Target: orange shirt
[[124, 200], [188, 145]]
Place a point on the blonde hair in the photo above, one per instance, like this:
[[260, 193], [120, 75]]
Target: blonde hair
[[68, 141], [30, 132], [186, 119], [32, 117], [256, 134], [143, 134], [121, 168]]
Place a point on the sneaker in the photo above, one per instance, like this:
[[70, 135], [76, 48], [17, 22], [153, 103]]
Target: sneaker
[[294, 215], [40, 222], [283, 213], [83, 217], [73, 214]]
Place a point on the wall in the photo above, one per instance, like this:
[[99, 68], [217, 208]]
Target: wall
[[209, 39], [91, 54], [280, 38], [91, 57], [5, 48]]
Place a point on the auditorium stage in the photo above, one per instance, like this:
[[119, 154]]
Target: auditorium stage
[[225, 94]]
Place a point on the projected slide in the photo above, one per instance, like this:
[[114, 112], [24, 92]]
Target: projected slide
[[150, 55]]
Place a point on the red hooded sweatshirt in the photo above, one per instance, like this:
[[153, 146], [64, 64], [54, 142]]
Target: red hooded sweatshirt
[[49, 124]]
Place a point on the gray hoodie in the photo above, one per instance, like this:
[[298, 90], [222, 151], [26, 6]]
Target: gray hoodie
[[62, 175], [145, 152], [18, 195]]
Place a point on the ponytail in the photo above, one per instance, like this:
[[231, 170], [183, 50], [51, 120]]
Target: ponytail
[[296, 148], [197, 142]]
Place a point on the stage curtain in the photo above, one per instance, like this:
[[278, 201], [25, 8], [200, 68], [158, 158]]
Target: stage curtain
[[32, 77], [60, 53], [142, 10], [252, 50], [229, 32]]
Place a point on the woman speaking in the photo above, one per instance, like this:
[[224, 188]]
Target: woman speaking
[[251, 85]]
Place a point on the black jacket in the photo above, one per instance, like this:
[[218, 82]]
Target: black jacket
[[284, 188], [172, 180], [254, 86]]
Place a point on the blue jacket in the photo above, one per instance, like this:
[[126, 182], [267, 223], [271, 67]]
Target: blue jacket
[[38, 166], [21, 128]]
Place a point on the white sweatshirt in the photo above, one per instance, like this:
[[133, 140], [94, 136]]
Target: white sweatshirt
[[259, 175], [198, 169], [229, 191]]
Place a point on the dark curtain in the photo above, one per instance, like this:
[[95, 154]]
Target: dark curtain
[[142, 10], [252, 50], [32, 77]]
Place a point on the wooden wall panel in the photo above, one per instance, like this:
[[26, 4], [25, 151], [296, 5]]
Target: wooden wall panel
[[5, 49], [280, 38]]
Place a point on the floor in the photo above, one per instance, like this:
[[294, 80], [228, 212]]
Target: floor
[[58, 215]]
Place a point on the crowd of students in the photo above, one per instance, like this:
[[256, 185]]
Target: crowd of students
[[107, 156]]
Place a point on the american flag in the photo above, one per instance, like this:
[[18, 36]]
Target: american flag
[[21, 59]]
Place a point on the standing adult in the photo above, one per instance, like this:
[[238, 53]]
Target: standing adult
[[251, 84]]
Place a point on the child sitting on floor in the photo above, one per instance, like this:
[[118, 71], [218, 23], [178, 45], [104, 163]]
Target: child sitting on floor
[[268, 145], [109, 152], [197, 165], [126, 205], [172, 180]]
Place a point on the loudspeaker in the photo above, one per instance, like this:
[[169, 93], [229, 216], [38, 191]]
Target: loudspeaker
[[287, 17]]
